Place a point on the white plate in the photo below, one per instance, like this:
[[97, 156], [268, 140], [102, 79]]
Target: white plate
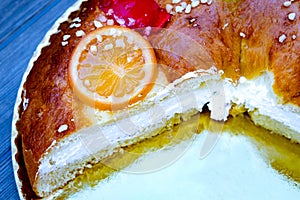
[[233, 170], [237, 167]]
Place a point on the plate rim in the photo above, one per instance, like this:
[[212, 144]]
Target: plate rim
[[43, 43]]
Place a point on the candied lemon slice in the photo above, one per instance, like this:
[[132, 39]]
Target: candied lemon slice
[[112, 67]]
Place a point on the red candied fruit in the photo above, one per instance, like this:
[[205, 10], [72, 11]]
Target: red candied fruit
[[135, 13]]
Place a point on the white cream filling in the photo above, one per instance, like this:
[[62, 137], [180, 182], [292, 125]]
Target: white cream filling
[[257, 95], [183, 96], [99, 141]]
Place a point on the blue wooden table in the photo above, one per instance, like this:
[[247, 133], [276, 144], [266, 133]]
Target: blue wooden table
[[23, 24]]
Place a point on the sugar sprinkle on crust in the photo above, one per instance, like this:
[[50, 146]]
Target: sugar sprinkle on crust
[[77, 19], [192, 20], [178, 6], [66, 37], [80, 33], [282, 38], [110, 22], [188, 8], [169, 8], [179, 9], [75, 25], [93, 48], [243, 35], [287, 3], [292, 16], [195, 3], [183, 4], [225, 25], [102, 18], [98, 24], [62, 128], [64, 43], [176, 1], [110, 12]]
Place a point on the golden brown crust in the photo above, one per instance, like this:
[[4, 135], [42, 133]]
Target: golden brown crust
[[49, 93], [244, 38], [212, 27], [266, 49], [220, 28]]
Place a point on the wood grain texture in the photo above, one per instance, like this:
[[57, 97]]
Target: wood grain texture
[[23, 25]]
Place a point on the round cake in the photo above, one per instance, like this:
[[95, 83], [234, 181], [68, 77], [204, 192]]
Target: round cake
[[104, 65]]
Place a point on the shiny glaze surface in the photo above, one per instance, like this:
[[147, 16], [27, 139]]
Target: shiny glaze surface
[[243, 38]]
